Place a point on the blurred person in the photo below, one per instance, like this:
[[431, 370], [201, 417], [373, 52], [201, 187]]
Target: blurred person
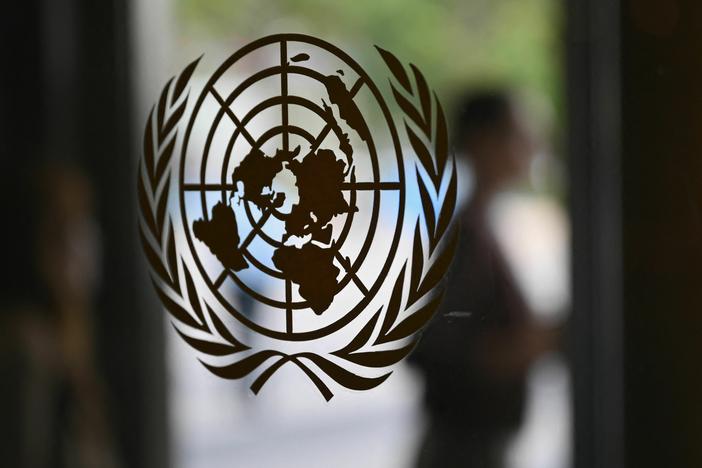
[[476, 353], [51, 395]]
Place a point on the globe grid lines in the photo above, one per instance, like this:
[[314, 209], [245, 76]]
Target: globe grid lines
[[375, 186], [284, 129], [284, 99]]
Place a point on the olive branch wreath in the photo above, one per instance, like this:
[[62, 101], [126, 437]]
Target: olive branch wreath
[[429, 262]]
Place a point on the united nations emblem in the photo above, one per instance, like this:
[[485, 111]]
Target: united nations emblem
[[277, 215]]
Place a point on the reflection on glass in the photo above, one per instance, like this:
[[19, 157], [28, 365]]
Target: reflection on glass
[[458, 44]]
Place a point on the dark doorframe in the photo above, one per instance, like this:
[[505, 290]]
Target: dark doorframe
[[131, 334], [593, 77], [635, 135], [66, 95], [662, 231]]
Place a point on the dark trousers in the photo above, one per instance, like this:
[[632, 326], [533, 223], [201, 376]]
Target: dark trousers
[[448, 446]]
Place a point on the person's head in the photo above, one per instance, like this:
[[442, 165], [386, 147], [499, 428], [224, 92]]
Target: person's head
[[490, 131]]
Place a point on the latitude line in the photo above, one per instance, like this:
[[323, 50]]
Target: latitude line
[[347, 267], [284, 92], [288, 308], [371, 186], [233, 117], [208, 187], [344, 186]]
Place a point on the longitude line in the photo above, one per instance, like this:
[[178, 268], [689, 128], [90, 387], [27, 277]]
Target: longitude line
[[261, 221], [220, 279], [288, 308], [357, 281], [284, 93], [327, 127], [232, 116]]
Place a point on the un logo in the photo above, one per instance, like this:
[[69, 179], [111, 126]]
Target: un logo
[[275, 213]]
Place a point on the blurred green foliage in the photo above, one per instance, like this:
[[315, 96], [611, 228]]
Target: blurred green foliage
[[456, 43]]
